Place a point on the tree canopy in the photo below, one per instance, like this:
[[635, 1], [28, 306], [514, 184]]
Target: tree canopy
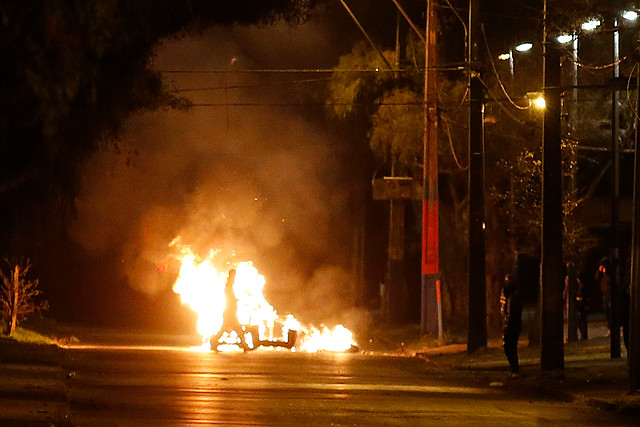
[[392, 104], [71, 72]]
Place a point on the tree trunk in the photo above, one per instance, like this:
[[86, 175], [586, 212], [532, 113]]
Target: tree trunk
[[15, 294]]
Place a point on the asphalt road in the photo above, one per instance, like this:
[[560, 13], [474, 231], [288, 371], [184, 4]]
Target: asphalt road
[[177, 386]]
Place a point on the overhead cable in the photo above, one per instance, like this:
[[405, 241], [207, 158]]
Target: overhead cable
[[500, 103], [456, 66], [409, 21], [495, 71], [373, 45]]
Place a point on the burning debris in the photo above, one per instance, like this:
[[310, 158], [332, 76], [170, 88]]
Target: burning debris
[[234, 314]]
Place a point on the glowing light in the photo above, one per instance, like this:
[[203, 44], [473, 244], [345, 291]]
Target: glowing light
[[590, 25], [523, 47], [630, 15], [565, 38], [201, 286], [540, 102], [504, 56], [536, 100]]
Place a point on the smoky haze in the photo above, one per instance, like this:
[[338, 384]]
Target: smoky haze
[[256, 181]]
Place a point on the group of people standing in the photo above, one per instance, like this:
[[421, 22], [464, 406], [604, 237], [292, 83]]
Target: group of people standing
[[575, 306]]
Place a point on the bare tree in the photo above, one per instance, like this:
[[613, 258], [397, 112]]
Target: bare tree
[[19, 295]]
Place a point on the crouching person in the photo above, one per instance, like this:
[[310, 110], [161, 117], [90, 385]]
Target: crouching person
[[511, 311]]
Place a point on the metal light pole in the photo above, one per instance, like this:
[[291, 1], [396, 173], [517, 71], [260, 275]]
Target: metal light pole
[[634, 309], [571, 187], [573, 116], [615, 202], [551, 268], [477, 320]]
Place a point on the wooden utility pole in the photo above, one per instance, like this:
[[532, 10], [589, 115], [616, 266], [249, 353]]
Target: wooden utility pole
[[396, 189], [551, 266], [396, 287], [477, 318], [431, 316], [634, 309]]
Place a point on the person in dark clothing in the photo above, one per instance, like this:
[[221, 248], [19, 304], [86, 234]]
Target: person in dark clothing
[[602, 276], [230, 316], [582, 312], [573, 296], [511, 311]]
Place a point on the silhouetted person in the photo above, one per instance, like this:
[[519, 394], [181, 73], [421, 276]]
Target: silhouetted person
[[583, 325], [603, 277], [230, 314], [511, 311], [575, 305]]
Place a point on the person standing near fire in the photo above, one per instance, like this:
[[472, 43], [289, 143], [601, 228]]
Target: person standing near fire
[[603, 277], [230, 314], [511, 311]]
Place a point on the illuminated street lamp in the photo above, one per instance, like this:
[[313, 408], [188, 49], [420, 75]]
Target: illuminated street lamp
[[539, 103], [524, 47], [591, 24], [630, 15], [508, 56], [565, 38], [536, 100]]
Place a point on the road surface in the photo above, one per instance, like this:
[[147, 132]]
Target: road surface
[[177, 386]]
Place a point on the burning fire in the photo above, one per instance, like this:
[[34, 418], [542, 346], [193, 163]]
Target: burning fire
[[202, 286]]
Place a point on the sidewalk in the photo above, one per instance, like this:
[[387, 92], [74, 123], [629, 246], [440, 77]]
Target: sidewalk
[[590, 375]]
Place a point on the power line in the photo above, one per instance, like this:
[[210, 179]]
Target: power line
[[277, 71], [455, 66], [297, 104], [249, 85], [495, 72], [364, 33]]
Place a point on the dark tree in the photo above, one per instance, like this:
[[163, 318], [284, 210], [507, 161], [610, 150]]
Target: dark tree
[[19, 296], [71, 72]]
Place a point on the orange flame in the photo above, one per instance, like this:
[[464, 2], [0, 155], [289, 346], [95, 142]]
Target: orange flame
[[201, 286]]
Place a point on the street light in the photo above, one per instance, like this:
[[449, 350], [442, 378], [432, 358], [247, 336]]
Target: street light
[[524, 47], [591, 24], [536, 99], [508, 56], [565, 38], [540, 102]]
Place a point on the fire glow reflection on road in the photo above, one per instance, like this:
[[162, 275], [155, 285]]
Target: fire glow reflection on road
[[245, 381]]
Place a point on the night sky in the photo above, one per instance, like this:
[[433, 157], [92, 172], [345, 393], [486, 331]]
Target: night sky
[[275, 185]]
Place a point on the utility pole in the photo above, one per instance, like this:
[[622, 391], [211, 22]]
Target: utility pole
[[431, 316], [477, 317], [571, 187], [551, 270], [396, 285], [615, 201], [634, 309], [396, 293]]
